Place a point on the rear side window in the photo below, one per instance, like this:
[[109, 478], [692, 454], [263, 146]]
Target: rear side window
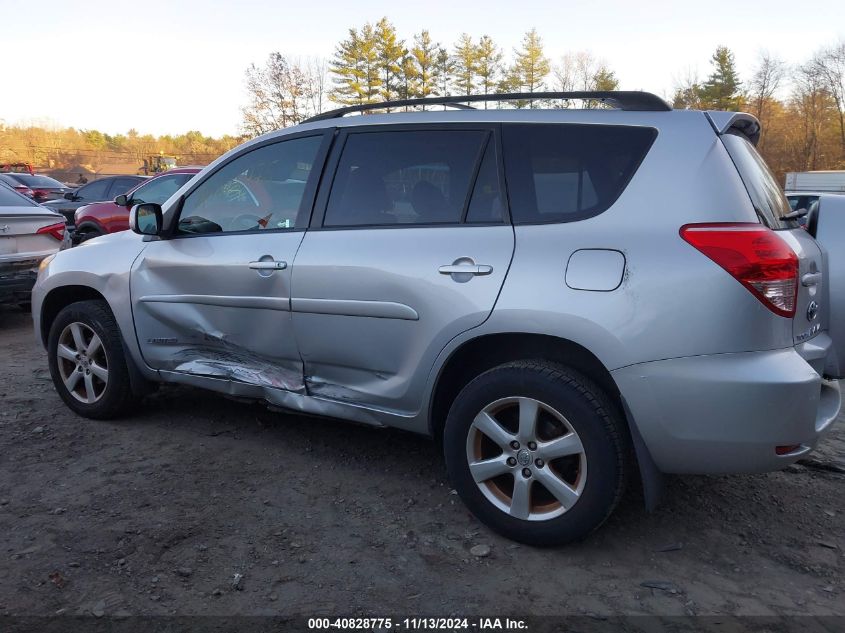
[[765, 193], [94, 191], [405, 177], [10, 198], [159, 189], [122, 185], [563, 172]]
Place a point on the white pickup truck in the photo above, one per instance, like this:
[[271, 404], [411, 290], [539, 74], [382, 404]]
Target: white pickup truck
[[803, 188]]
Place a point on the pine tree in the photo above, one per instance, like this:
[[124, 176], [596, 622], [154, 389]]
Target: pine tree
[[443, 67], [464, 61], [356, 68], [605, 79], [488, 65], [530, 68], [721, 91], [390, 51], [424, 57]]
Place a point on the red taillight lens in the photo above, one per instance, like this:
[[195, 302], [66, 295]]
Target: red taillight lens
[[39, 194], [755, 256], [25, 191], [54, 230]]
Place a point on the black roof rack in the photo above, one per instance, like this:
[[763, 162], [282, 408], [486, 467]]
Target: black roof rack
[[622, 99]]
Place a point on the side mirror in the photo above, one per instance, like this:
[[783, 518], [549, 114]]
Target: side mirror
[[69, 195], [122, 200], [145, 219]]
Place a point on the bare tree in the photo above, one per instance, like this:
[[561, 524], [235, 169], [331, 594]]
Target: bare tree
[[688, 90], [284, 92], [829, 64], [582, 70], [765, 82], [811, 100], [317, 80]]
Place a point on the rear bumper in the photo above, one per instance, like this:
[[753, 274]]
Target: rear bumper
[[17, 280], [726, 413]]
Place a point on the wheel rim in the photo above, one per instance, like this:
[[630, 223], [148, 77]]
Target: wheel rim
[[83, 364], [526, 459]]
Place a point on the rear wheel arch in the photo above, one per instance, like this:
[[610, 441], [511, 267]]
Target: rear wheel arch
[[90, 227], [483, 353], [477, 355]]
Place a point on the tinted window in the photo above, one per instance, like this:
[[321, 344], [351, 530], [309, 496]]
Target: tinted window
[[486, 204], [120, 186], [97, 190], [765, 193], [159, 189], [263, 189], [561, 173], [37, 181], [405, 177], [10, 198]]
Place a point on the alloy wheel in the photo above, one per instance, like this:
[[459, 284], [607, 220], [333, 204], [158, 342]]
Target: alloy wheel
[[82, 361], [526, 458]]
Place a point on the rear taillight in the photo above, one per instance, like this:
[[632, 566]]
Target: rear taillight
[[54, 230], [755, 256], [39, 194], [29, 193]]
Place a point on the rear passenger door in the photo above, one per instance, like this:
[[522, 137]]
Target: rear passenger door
[[409, 246]]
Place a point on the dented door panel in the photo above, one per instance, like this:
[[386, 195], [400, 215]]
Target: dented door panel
[[372, 310], [201, 310]]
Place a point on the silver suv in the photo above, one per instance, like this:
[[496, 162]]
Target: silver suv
[[563, 299]]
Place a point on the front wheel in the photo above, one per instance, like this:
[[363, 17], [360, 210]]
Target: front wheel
[[87, 361], [537, 452]]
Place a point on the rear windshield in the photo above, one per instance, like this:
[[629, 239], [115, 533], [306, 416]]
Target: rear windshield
[[10, 198], [564, 172], [765, 193], [37, 181]]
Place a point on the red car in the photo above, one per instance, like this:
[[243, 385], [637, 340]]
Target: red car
[[100, 218]]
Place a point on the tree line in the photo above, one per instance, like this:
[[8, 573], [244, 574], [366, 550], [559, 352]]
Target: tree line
[[374, 64], [801, 108], [70, 148]]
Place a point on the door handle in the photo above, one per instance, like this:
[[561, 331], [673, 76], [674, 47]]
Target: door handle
[[465, 269], [811, 279], [271, 265]]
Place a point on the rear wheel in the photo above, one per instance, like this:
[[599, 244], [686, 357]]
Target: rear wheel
[[87, 362], [537, 452]]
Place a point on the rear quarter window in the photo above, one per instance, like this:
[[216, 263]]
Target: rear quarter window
[[566, 172], [768, 198]]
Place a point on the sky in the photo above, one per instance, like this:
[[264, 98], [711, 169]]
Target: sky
[[169, 66]]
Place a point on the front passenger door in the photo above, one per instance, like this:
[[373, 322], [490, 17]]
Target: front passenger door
[[213, 298]]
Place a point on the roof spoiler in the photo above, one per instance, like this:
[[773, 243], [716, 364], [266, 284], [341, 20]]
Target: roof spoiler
[[622, 99], [723, 122]]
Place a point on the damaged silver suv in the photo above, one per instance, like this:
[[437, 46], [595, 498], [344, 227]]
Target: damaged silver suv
[[563, 299]]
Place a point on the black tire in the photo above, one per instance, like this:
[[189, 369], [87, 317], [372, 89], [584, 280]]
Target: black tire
[[116, 393], [604, 458], [86, 234]]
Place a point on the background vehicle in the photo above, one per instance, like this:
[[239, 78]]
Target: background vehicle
[[28, 233], [503, 280], [17, 186], [156, 164], [18, 168], [816, 181], [43, 187], [107, 188], [100, 218]]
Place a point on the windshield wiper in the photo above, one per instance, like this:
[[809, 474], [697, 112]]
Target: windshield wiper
[[795, 215]]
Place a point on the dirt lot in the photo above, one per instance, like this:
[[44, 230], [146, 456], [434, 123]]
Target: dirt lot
[[156, 514]]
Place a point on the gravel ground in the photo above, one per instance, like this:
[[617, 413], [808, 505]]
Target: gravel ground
[[200, 505]]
